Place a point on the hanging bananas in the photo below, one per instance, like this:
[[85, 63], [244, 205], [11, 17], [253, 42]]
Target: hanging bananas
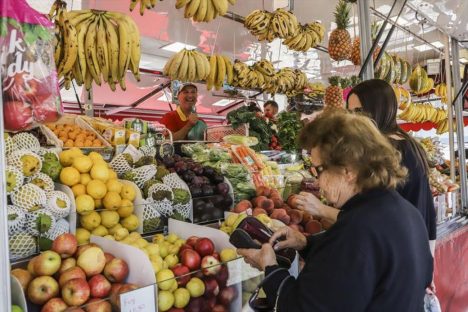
[[308, 37], [144, 4], [423, 112], [107, 45], [284, 24], [221, 69], [258, 23], [403, 96], [188, 65], [204, 10], [441, 91]]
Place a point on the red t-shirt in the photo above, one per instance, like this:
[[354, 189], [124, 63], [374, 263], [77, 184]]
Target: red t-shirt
[[173, 122]]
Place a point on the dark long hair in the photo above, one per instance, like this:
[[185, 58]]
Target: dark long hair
[[378, 100]]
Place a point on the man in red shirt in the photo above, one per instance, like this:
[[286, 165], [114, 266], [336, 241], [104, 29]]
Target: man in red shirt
[[182, 120]]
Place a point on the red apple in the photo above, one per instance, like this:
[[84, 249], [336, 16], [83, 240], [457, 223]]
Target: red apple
[[72, 273], [204, 246], [115, 296], [191, 241], [76, 292], [54, 305], [209, 303], [219, 308], [82, 248], [92, 261], [65, 245], [23, 276], [108, 256], [31, 264], [216, 255], [67, 264], [17, 115], [116, 270], [184, 246], [222, 276], [191, 259], [175, 310], [227, 295], [99, 286], [48, 263], [210, 266], [195, 305], [181, 273], [98, 305], [211, 287], [42, 289]]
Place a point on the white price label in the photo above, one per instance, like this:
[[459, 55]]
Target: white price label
[[139, 300]]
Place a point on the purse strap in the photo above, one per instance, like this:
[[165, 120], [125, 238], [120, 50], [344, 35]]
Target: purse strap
[[268, 277]]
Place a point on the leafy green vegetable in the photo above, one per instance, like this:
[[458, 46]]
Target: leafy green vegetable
[[289, 125]]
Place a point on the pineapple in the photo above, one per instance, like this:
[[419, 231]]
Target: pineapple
[[356, 49], [334, 93], [339, 44]]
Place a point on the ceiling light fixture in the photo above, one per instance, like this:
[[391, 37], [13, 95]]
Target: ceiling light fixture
[[437, 44], [423, 48], [177, 46]]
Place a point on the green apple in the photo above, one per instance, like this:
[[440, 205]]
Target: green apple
[[165, 279], [157, 258], [196, 287], [165, 300], [142, 243], [173, 249], [163, 250], [15, 308], [182, 298], [171, 260], [158, 238], [153, 249], [156, 266], [179, 242], [228, 254], [172, 238]]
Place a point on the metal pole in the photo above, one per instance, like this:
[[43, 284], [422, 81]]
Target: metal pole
[[460, 124], [448, 74], [366, 40], [88, 103]]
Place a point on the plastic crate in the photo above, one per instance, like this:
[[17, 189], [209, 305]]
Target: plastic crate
[[217, 133]]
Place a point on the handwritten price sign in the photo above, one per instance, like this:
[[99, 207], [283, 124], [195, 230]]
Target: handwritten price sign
[[140, 300]]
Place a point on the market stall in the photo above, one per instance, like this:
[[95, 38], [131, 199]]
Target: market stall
[[103, 209]]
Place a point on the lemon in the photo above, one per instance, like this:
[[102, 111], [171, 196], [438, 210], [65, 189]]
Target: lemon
[[109, 218], [90, 221], [96, 189], [82, 236], [84, 204], [95, 157], [112, 201], [100, 231], [66, 158], [85, 178], [69, 176], [114, 229], [76, 152], [113, 185], [126, 208], [100, 171], [112, 174], [128, 192], [83, 164], [121, 234], [98, 203], [78, 189], [130, 223]]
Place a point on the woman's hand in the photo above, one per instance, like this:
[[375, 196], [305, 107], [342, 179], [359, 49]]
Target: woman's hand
[[291, 239], [309, 203], [259, 258]]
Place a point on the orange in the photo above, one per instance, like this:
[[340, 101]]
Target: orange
[[88, 143], [69, 143]]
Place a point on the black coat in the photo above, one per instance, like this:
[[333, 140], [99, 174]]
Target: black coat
[[376, 257]]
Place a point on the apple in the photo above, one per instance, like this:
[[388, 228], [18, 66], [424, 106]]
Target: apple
[[30, 267], [98, 305], [71, 273], [92, 261], [75, 309], [181, 272], [48, 263], [82, 248], [183, 247], [67, 264], [23, 276], [76, 292], [204, 246], [173, 309], [108, 256], [191, 241], [165, 300], [99, 285], [227, 295], [42, 289], [65, 245], [222, 276], [210, 265], [191, 259], [211, 287], [195, 305], [210, 302], [216, 255], [219, 308], [196, 287], [116, 270], [54, 305], [228, 254], [181, 297], [115, 296]]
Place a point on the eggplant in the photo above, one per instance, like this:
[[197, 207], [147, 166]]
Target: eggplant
[[177, 158], [168, 162], [218, 200], [188, 176], [217, 178], [196, 191], [198, 181], [207, 190], [198, 169], [205, 180], [208, 171], [227, 203], [222, 188], [180, 167]]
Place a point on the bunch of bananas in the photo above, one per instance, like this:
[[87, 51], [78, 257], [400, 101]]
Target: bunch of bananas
[[423, 112], [204, 10], [266, 69], [187, 65], [441, 91], [221, 68], [443, 126], [258, 23], [287, 81], [315, 90], [284, 24], [107, 44], [246, 77], [144, 4], [308, 36], [403, 96]]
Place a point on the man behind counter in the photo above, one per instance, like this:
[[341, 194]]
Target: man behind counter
[[271, 109], [183, 119]]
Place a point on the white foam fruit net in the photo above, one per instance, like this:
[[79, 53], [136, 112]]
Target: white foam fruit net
[[10, 145], [120, 165], [144, 174], [62, 226], [151, 217], [39, 223], [18, 178], [159, 187], [44, 150], [26, 141], [29, 197], [16, 220], [173, 181], [52, 204], [148, 151], [43, 181], [185, 210], [14, 159], [22, 245]]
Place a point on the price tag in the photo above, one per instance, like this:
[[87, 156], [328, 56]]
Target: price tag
[[140, 300]]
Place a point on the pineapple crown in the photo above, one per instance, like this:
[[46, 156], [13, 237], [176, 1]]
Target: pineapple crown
[[375, 27], [335, 81], [342, 15]]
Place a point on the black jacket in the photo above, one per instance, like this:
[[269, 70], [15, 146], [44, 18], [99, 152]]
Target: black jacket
[[376, 257]]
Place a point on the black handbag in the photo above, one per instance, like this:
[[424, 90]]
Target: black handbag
[[261, 304]]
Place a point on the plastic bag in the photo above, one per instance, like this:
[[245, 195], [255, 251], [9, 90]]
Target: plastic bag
[[431, 303], [197, 133], [30, 85]]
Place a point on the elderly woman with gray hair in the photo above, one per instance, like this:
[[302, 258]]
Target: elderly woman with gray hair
[[376, 256]]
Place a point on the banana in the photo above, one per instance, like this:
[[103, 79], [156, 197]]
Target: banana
[[210, 11], [181, 73], [88, 80], [113, 50], [221, 6], [135, 48], [181, 3], [229, 69], [142, 7], [77, 74], [232, 2], [90, 50], [102, 50], [70, 45], [201, 11], [192, 67], [82, 31], [77, 19], [58, 49], [153, 3], [191, 8], [124, 48], [200, 65], [133, 4], [221, 71]]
